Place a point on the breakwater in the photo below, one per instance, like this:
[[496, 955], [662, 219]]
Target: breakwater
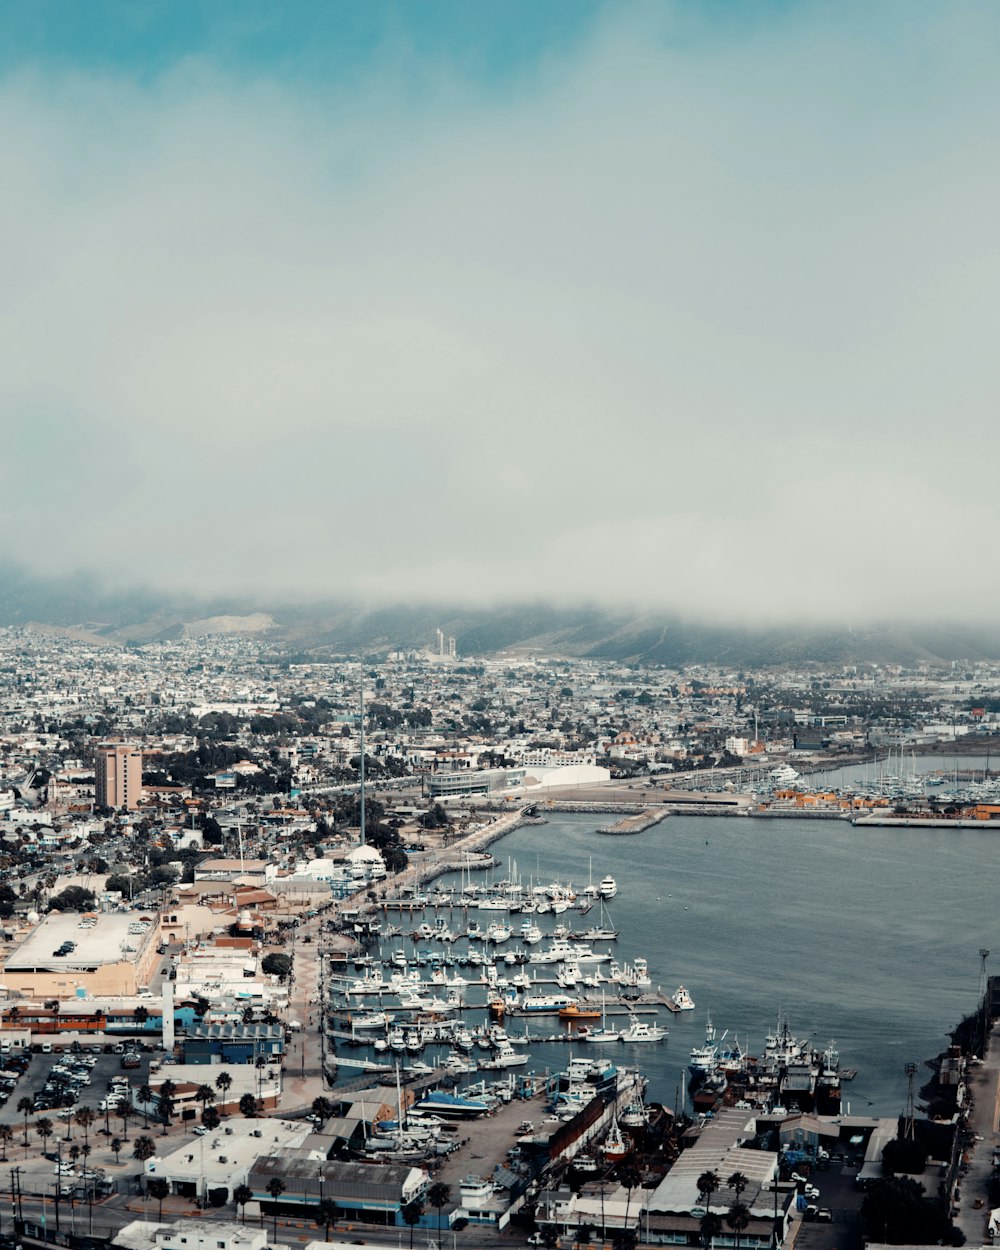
[[637, 822]]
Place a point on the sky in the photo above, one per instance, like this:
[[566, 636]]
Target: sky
[[683, 305]]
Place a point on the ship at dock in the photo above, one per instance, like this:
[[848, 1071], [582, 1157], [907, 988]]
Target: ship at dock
[[790, 1074]]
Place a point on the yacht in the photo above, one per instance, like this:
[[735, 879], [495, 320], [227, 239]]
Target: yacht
[[639, 1031], [608, 887], [682, 1000]]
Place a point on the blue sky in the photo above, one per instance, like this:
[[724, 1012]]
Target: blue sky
[[557, 299]]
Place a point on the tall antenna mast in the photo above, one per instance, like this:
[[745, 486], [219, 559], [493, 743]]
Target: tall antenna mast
[[362, 686], [911, 1070]]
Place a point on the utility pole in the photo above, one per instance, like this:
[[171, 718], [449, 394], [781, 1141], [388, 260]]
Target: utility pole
[[984, 994]]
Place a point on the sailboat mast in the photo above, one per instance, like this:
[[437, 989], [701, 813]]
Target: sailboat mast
[[362, 771]]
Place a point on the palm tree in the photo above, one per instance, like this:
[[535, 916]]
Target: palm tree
[[125, 1114], [711, 1226], [631, 1178], [85, 1117], [248, 1106], [412, 1213], [144, 1148], [165, 1108], [439, 1195], [204, 1094], [737, 1183], [145, 1095], [242, 1195], [43, 1128], [738, 1217], [158, 1188], [322, 1107], [327, 1213], [74, 1153], [211, 1119], [116, 1145], [275, 1187], [223, 1083], [26, 1106], [708, 1183], [6, 1137]]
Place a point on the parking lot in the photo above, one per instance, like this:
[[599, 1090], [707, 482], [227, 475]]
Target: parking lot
[[87, 1076]]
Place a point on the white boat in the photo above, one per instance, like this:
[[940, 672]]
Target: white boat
[[682, 1000], [608, 887], [639, 1031], [506, 1057], [498, 932]]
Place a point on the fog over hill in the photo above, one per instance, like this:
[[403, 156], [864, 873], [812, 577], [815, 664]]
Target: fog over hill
[[81, 607]]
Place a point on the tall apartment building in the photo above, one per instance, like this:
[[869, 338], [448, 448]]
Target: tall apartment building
[[117, 775]]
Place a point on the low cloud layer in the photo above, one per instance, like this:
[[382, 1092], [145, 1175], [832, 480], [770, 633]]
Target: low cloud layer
[[689, 317]]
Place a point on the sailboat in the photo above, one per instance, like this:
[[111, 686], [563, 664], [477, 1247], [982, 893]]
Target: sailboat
[[604, 1034]]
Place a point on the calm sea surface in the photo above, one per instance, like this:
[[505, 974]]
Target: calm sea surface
[[868, 937]]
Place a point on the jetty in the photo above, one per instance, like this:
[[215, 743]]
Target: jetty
[[637, 822]]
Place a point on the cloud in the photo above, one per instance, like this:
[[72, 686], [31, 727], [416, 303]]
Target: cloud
[[690, 315]]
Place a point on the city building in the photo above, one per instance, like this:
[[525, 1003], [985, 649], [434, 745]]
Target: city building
[[117, 775]]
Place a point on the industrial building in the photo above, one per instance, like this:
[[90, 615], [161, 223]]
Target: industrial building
[[72, 956]]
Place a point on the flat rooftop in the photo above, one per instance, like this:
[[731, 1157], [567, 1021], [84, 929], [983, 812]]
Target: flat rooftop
[[107, 942]]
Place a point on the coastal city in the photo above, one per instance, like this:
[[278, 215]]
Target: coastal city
[[271, 973]]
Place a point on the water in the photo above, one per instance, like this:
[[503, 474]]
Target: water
[[869, 937], [944, 766]]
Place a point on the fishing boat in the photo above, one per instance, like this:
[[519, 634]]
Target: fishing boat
[[617, 1144]]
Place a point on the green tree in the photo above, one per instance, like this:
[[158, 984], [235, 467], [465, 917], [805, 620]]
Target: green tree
[[25, 1107], [248, 1106], [439, 1195], [412, 1214], [241, 1196], [142, 1149], [43, 1128], [6, 1137], [896, 1211], [116, 1144], [275, 1187], [211, 1119], [738, 1217], [708, 1183], [276, 965], [158, 1188], [223, 1083], [710, 1227], [85, 1117], [327, 1215]]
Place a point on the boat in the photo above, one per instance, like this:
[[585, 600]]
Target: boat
[[452, 1106], [546, 1003], [682, 1000], [608, 887], [506, 1057], [702, 1058], [575, 1012], [617, 1144], [639, 1031]]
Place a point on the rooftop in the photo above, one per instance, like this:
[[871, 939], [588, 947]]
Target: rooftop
[[108, 941]]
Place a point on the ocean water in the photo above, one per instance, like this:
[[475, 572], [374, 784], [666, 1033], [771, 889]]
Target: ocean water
[[867, 937]]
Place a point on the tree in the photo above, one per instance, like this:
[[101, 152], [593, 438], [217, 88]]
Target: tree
[[158, 1188], [146, 1096], [248, 1106], [738, 1217], [144, 1148], [73, 898], [276, 965], [140, 1016], [275, 1187], [439, 1195], [6, 1137], [322, 1107], [116, 1145], [26, 1106], [85, 1117], [241, 1196], [895, 1210], [223, 1083], [711, 1227], [327, 1214], [737, 1183], [708, 1183], [125, 1114], [631, 1178], [164, 1109], [211, 1119], [204, 1094], [43, 1128], [412, 1214]]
